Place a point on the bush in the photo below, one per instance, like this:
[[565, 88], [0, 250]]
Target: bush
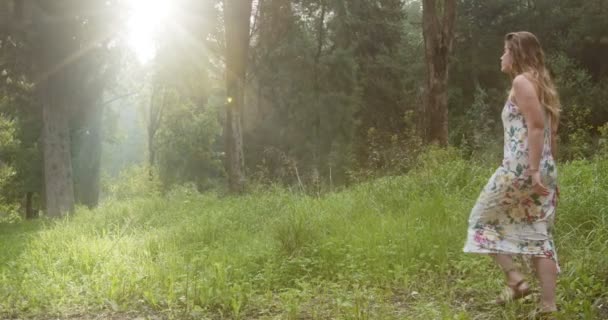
[[137, 181]]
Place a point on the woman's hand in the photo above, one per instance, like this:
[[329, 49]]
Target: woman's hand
[[537, 185]]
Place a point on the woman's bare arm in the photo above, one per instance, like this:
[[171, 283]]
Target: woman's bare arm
[[529, 105]]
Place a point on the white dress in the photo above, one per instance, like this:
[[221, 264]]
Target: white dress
[[509, 217]]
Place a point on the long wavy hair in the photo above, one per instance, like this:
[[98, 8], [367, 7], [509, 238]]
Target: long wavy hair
[[529, 60]]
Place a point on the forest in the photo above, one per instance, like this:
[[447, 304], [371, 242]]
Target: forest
[[282, 159]]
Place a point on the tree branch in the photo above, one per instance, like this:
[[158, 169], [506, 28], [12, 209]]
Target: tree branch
[[119, 97]]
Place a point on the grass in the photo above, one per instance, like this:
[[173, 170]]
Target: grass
[[386, 249]]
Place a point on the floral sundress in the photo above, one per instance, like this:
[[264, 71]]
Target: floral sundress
[[508, 217]]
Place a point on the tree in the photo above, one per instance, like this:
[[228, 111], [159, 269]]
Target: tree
[[74, 69], [302, 94], [95, 69], [16, 90], [237, 15], [438, 30], [155, 116], [377, 32], [52, 86]]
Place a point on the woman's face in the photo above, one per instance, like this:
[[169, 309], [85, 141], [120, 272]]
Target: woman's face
[[506, 61]]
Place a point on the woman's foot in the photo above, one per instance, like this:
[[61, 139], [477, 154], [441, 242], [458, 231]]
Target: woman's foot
[[514, 291], [543, 314]]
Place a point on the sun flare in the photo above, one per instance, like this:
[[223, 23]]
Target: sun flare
[[146, 18]]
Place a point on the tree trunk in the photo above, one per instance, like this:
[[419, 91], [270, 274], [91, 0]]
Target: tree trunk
[[151, 151], [237, 17], [59, 189], [321, 147], [29, 209], [156, 116], [89, 158], [438, 39], [53, 92]]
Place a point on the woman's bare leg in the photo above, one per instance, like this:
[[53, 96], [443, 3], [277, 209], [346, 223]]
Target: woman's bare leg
[[508, 267], [546, 271]]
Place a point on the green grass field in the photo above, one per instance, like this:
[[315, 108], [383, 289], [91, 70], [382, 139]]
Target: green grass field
[[386, 249]]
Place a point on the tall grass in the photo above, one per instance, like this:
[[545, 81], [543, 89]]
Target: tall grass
[[386, 249]]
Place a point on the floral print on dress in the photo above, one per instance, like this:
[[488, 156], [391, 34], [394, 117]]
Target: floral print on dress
[[508, 216]]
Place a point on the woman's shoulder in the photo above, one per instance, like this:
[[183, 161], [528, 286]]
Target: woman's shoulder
[[524, 85], [523, 80]]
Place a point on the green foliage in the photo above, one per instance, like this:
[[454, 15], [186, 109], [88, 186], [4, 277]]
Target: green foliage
[[384, 249], [579, 103], [181, 102], [476, 130], [19, 152], [8, 210], [9, 214], [326, 75], [9, 154], [12, 152], [124, 135], [133, 182], [7, 177], [186, 144], [394, 157], [579, 141], [298, 228], [603, 140], [8, 142]]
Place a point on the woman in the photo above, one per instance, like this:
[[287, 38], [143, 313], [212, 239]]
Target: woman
[[515, 212]]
